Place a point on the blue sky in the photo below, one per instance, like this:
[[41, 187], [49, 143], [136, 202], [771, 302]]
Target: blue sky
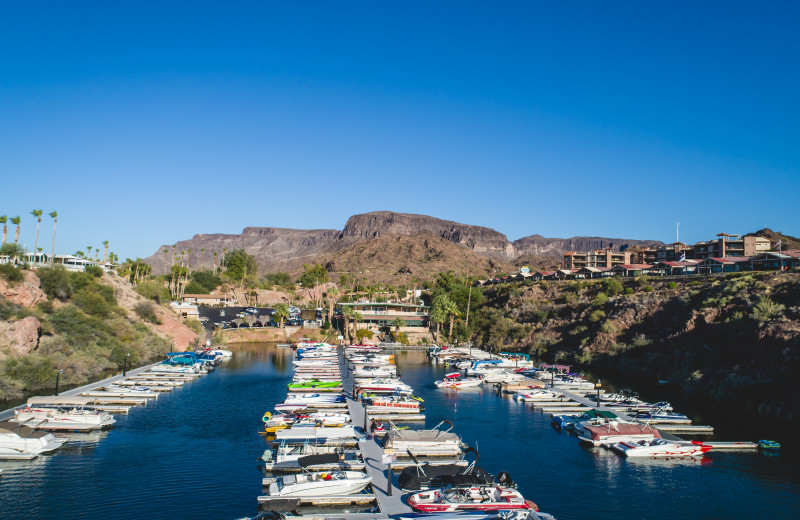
[[144, 123]]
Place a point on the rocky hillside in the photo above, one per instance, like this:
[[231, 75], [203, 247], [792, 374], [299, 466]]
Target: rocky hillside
[[85, 324], [732, 341], [787, 241], [287, 249]]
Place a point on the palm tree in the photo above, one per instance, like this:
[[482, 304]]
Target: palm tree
[[224, 251], [38, 214], [96, 253], [397, 323], [202, 257], [173, 253], [16, 221], [451, 309], [281, 312], [105, 254], [439, 313], [166, 257], [189, 259], [357, 316], [215, 261], [4, 221], [54, 216], [347, 313], [332, 293]]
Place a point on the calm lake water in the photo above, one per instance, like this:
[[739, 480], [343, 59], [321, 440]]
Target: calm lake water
[[192, 454]]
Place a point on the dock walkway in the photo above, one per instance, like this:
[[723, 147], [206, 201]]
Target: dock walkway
[[7, 414], [372, 454]]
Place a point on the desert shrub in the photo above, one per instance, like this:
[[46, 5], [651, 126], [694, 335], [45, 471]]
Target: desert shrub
[[195, 325], [648, 288], [568, 298], [147, 312], [629, 290], [766, 309], [613, 286], [11, 274], [153, 290], [94, 270], [34, 370], [608, 328], [601, 299], [672, 285], [80, 280], [402, 339], [195, 288], [92, 303], [597, 315], [55, 282], [364, 333]]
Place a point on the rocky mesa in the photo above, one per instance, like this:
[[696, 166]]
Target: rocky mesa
[[280, 249]]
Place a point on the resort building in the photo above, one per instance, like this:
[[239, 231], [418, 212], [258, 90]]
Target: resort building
[[206, 299], [667, 253], [380, 314], [598, 258], [730, 246]]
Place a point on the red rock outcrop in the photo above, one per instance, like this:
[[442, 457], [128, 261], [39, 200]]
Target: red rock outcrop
[[26, 293]]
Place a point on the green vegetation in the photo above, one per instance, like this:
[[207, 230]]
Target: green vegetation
[[203, 282], [238, 265], [767, 310], [277, 279], [313, 275], [364, 333], [281, 313], [147, 312], [11, 274], [85, 336], [153, 290]]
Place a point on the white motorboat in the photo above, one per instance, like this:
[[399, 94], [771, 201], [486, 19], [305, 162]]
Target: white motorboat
[[62, 413], [537, 395], [456, 380], [372, 371], [308, 398], [166, 368], [661, 448], [394, 404], [384, 386], [425, 443], [504, 376], [485, 498], [330, 419], [18, 441], [312, 484]]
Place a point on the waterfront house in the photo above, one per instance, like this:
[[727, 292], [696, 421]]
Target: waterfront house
[[382, 314], [724, 265], [774, 260], [671, 268]]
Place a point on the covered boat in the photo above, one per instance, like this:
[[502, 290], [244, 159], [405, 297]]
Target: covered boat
[[617, 431], [62, 413], [427, 443]]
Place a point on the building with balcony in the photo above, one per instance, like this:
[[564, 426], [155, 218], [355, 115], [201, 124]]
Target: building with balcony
[[598, 258], [380, 314], [667, 253], [726, 246]]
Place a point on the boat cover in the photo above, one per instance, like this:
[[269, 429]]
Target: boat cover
[[21, 430], [415, 478], [422, 436], [56, 400], [324, 458]]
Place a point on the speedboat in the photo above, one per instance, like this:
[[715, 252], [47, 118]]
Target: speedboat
[[383, 385], [323, 483], [312, 399], [426, 443], [420, 477], [456, 380], [372, 371], [315, 383], [18, 441], [394, 404], [485, 498], [658, 415], [661, 448], [285, 420], [536, 395], [516, 514], [62, 413]]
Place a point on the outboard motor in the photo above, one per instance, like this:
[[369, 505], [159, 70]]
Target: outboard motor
[[505, 480]]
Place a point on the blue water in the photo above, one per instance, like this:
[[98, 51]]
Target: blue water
[[192, 454]]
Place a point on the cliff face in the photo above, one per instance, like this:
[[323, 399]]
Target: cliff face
[[279, 249], [479, 239], [539, 245]]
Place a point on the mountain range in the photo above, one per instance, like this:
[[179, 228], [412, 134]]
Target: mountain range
[[390, 243]]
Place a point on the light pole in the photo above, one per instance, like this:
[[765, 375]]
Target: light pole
[[58, 374]]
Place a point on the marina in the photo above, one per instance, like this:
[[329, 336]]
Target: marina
[[545, 463]]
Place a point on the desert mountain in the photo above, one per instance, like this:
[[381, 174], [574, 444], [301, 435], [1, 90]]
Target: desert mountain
[[472, 247]]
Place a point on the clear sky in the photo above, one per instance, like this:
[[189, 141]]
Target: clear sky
[[144, 123]]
